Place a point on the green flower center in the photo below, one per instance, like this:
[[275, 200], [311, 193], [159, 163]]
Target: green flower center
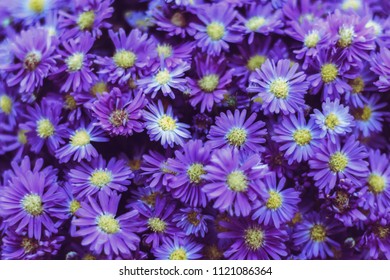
[[237, 181], [167, 123], [178, 19], [194, 172], [164, 50], [279, 88], [312, 39], [255, 62], [119, 117], [254, 238], [157, 225], [5, 104], [80, 138], [357, 85], [125, 59], [338, 162], [346, 36], [163, 77], [329, 72], [100, 178], [331, 121], [108, 224], [376, 183], [75, 62], [318, 233], [36, 6], [254, 23], [192, 217], [274, 201], [32, 60], [86, 20], [74, 206], [302, 137], [22, 138], [178, 254], [209, 83], [215, 30], [99, 88], [29, 245], [237, 136], [32, 204], [45, 128]]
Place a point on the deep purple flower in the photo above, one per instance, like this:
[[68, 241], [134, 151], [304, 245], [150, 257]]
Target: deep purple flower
[[192, 221], [178, 249], [380, 65]]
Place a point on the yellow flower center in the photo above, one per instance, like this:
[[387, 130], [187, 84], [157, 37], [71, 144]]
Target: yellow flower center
[[346, 36], [258, 100], [341, 200], [312, 39], [338, 162], [100, 178], [363, 114], [215, 30], [254, 238], [382, 232], [237, 181], [29, 245], [125, 59], [167, 123], [279, 88], [351, 4], [150, 199], [99, 88], [70, 102], [302, 137], [254, 23], [376, 183], [357, 85], [274, 201], [329, 72], [45, 128], [318, 233], [209, 83], [86, 20], [108, 224], [32, 204], [80, 138], [74, 206], [236, 136], [36, 6], [178, 19], [32, 60], [192, 217], [377, 27], [164, 50], [255, 62], [331, 121], [157, 225], [163, 77], [135, 164], [297, 218], [75, 62], [212, 252], [119, 118], [5, 104], [89, 257], [178, 254], [194, 172], [22, 138]]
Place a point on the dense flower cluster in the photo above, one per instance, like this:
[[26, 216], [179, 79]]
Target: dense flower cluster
[[176, 129]]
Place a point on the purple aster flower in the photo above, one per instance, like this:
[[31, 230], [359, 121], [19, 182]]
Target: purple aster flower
[[144, 194], [280, 86], [334, 120], [10, 106], [313, 236], [231, 180], [175, 55], [43, 126], [277, 206], [118, 113], [76, 72], [102, 230], [192, 221], [252, 241], [188, 167], [31, 11], [303, 10], [178, 249], [141, 20], [13, 140], [31, 199], [79, 146], [237, 131], [33, 61], [211, 82], [163, 126], [89, 178], [380, 65], [334, 161], [215, 30], [297, 138], [277, 162]]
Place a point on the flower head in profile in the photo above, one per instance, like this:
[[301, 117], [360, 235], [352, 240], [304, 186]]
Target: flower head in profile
[[380, 65]]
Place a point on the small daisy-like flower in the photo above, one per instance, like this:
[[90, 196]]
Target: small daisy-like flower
[[188, 167], [175, 55], [10, 106], [163, 126], [43, 126], [334, 161], [313, 236], [380, 65], [29, 11], [31, 199], [178, 249], [215, 31], [34, 61], [252, 241], [237, 131], [79, 146], [118, 113], [87, 179], [192, 221], [231, 180], [334, 120], [297, 137], [280, 86], [277, 206], [14, 140], [102, 230]]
